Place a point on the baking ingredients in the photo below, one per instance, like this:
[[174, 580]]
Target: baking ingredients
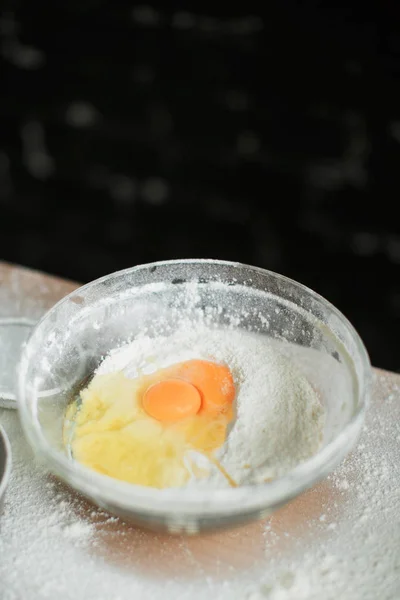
[[47, 533], [123, 429]]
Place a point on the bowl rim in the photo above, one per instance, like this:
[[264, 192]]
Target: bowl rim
[[180, 503], [5, 474]]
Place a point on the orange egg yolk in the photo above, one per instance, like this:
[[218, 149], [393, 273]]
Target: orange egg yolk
[[189, 388], [171, 400]]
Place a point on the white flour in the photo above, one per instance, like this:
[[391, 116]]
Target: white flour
[[41, 518], [279, 416]]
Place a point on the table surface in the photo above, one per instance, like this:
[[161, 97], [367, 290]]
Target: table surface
[[340, 539]]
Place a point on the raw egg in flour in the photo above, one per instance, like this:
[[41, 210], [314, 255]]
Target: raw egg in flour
[[141, 430]]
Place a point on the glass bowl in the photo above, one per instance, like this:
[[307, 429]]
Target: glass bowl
[[70, 341], [5, 464]]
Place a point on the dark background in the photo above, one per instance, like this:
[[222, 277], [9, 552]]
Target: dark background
[[139, 132]]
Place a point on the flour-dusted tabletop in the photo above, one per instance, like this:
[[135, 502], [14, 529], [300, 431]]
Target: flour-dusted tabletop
[[340, 539]]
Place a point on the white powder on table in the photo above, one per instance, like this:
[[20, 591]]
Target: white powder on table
[[279, 418], [39, 519]]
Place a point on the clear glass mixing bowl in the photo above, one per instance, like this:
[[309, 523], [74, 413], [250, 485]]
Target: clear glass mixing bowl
[[73, 337]]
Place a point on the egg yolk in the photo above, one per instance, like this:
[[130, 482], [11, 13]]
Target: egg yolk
[[140, 430], [189, 387], [171, 400]]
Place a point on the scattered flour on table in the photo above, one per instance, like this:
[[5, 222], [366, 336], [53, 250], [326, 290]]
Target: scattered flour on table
[[39, 518], [279, 419]]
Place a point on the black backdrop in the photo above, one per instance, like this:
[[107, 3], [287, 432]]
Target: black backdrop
[[138, 132]]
